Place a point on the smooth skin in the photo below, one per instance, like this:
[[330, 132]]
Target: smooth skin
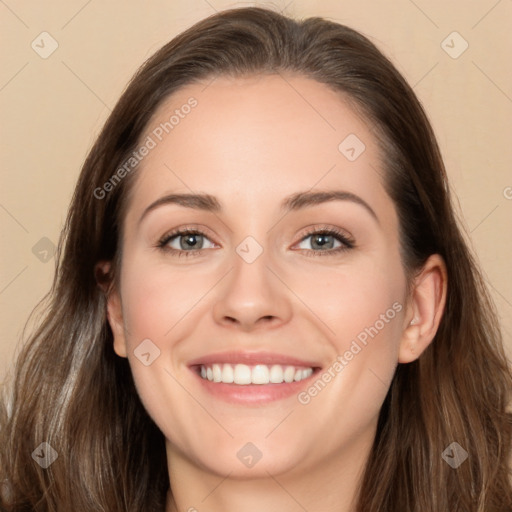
[[252, 142]]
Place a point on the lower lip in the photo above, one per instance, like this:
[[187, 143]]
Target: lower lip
[[254, 393]]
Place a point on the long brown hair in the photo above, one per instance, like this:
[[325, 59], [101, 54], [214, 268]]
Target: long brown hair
[[71, 391]]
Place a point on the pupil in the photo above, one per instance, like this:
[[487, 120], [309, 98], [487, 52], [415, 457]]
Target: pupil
[[190, 240], [322, 240]]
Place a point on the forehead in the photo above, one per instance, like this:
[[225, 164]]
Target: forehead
[[253, 140]]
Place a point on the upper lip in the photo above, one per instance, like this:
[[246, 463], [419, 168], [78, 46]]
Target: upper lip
[[253, 358]]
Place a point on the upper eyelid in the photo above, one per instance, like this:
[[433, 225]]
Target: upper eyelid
[[183, 231], [311, 230]]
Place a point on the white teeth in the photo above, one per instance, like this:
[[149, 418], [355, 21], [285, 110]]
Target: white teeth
[[217, 373], [289, 373], [307, 372], [303, 374], [276, 374], [243, 374], [228, 375], [260, 374]]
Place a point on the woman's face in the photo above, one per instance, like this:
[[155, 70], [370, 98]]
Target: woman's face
[[290, 282]]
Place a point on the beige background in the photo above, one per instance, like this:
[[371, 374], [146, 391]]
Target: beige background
[[53, 108]]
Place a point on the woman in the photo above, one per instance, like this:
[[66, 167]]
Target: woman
[[195, 354]]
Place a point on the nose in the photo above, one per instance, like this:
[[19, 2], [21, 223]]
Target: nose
[[252, 296]]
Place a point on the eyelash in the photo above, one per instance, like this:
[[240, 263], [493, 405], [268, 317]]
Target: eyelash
[[348, 243]]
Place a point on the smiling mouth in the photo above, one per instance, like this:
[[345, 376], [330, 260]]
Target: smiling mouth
[[243, 375]]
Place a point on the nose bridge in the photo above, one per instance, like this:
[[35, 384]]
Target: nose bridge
[[251, 279], [251, 291], [250, 274]]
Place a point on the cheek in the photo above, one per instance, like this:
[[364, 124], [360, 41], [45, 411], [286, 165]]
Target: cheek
[[159, 303], [359, 301], [370, 310], [156, 298], [366, 319], [363, 308]]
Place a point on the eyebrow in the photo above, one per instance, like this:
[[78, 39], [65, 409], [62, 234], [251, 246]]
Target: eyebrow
[[294, 202]]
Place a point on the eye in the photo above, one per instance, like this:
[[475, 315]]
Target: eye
[[326, 242], [191, 242], [185, 241]]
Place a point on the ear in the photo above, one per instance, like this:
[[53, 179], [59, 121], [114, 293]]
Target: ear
[[114, 306], [425, 309]]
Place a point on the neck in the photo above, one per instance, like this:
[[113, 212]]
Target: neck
[[330, 486]]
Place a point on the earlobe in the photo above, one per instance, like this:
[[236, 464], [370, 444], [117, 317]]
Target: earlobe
[[114, 306], [115, 319], [425, 310]]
